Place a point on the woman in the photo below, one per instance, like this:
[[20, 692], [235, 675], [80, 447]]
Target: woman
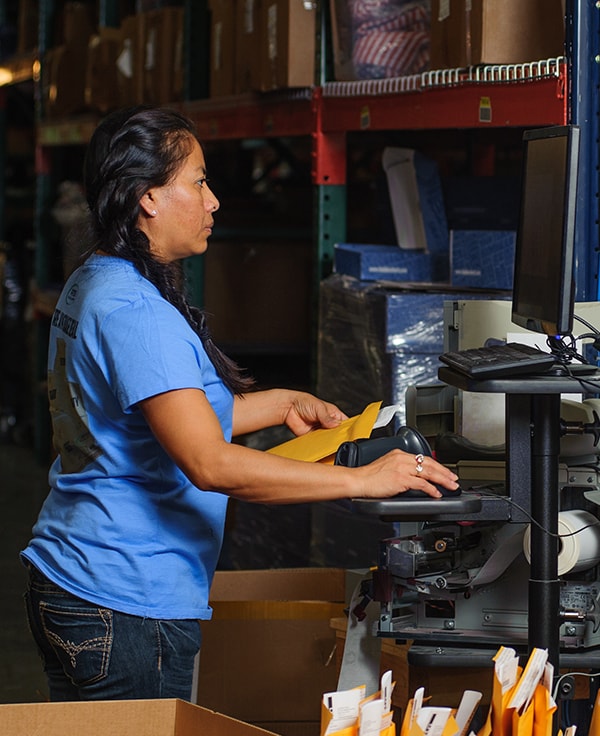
[[144, 407]]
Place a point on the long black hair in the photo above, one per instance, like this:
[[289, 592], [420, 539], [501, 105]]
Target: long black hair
[[130, 152]]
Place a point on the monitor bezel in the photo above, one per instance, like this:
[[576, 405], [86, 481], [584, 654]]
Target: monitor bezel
[[560, 323]]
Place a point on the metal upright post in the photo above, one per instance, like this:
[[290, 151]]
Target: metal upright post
[[583, 56]]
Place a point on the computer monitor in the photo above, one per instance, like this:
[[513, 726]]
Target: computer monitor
[[543, 286]]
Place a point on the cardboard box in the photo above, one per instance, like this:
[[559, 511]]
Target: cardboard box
[[163, 56], [78, 24], [64, 81], [28, 26], [130, 61], [248, 42], [101, 79], [466, 33], [287, 50], [389, 263], [482, 258], [266, 654], [119, 718], [222, 48], [449, 33], [341, 39]]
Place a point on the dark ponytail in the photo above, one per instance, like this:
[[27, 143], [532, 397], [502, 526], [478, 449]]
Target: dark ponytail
[[132, 151]]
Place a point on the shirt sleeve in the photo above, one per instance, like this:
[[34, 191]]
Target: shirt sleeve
[[148, 348]]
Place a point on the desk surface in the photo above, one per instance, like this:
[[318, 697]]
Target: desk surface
[[536, 384]]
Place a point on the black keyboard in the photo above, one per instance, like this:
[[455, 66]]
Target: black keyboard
[[496, 361]]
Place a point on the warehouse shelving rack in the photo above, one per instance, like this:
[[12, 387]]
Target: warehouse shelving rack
[[549, 92]]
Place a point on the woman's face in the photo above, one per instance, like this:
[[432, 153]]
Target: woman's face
[[178, 217]]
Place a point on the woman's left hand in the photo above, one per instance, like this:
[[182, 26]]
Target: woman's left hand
[[307, 412]]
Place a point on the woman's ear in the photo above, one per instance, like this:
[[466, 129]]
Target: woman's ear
[[148, 204]]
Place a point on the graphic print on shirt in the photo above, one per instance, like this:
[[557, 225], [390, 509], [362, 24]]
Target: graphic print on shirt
[[71, 435]]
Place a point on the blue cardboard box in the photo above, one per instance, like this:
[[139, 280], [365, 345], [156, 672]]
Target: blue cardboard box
[[482, 258], [390, 263]]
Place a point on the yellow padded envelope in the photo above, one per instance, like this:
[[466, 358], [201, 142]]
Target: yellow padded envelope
[[320, 445]]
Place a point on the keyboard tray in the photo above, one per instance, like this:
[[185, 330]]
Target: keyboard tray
[[397, 508]]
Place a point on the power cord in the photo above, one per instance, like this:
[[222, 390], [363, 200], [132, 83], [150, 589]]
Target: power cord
[[510, 502]]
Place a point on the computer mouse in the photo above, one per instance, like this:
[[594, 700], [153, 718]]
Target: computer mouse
[[414, 442], [446, 493]]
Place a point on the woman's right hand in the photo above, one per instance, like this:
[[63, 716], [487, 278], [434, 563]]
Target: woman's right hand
[[396, 472]]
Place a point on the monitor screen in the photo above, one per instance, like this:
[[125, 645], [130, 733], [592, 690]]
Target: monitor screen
[[543, 287]]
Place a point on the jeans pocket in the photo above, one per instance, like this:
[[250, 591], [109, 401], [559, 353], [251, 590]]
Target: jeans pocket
[[81, 638]]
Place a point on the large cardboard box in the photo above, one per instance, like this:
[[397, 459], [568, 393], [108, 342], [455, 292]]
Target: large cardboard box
[[101, 79], [163, 56], [28, 26], [288, 32], [130, 60], [119, 718], [222, 47], [64, 81], [248, 42], [266, 655], [466, 33]]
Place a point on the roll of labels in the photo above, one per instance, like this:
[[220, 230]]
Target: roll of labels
[[579, 543]]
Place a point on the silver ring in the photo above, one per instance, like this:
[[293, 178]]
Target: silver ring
[[419, 460]]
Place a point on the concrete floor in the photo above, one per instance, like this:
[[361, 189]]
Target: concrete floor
[[23, 487]]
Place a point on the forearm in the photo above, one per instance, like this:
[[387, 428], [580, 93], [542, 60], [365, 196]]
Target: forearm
[[256, 476], [260, 409]]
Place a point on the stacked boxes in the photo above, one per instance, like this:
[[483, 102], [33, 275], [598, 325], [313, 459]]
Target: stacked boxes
[[65, 76], [375, 341], [141, 61], [390, 39], [465, 33], [274, 45]]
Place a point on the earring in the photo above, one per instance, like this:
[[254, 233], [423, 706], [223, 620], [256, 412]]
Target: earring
[[153, 213]]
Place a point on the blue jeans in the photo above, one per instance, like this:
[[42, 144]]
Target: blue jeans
[[93, 653]]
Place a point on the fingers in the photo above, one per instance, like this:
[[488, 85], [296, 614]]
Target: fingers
[[397, 472]]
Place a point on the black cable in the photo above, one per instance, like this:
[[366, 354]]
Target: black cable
[[526, 513], [587, 324]]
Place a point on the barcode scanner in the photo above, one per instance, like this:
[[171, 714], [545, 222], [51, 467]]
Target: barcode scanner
[[355, 453]]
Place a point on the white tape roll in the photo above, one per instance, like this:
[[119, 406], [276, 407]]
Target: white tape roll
[[577, 552]]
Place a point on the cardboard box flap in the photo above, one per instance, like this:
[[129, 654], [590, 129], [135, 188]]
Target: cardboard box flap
[[285, 584], [169, 717]]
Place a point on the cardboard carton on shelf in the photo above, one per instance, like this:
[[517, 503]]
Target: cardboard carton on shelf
[[495, 32], [168, 717], [287, 51], [266, 655], [222, 48], [101, 79], [248, 40], [130, 60], [163, 56]]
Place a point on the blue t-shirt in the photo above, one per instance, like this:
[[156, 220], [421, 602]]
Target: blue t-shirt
[[122, 526]]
